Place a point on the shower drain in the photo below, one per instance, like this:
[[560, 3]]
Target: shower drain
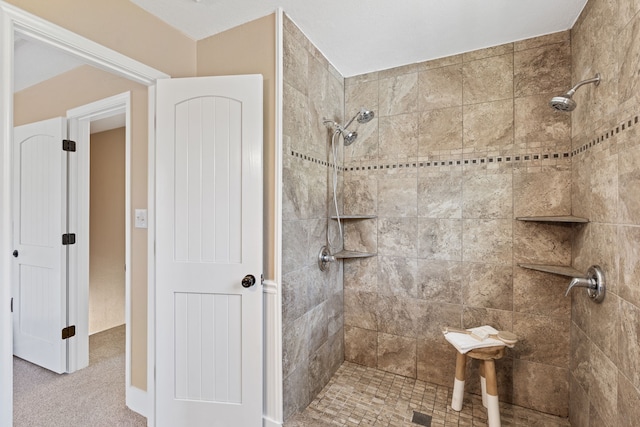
[[421, 419]]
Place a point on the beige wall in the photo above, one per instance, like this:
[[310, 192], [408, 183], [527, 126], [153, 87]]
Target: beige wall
[[123, 27], [107, 230], [250, 49], [605, 338], [79, 87]]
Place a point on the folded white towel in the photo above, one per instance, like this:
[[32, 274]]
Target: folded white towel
[[465, 343]]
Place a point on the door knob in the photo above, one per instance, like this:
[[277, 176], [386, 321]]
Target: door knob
[[248, 281], [15, 253]]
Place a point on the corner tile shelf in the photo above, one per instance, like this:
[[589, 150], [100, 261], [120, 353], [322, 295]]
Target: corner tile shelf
[[348, 217], [353, 254], [567, 218], [561, 270]]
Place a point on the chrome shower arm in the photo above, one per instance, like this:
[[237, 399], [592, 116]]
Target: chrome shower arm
[[363, 116], [595, 80], [351, 121]]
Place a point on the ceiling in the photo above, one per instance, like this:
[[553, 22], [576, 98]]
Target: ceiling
[[360, 36], [356, 36], [35, 62]]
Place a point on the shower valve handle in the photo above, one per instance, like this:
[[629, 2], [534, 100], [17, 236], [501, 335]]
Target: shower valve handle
[[579, 282], [594, 282], [325, 257]]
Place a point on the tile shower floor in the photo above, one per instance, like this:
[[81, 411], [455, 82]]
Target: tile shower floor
[[361, 396]]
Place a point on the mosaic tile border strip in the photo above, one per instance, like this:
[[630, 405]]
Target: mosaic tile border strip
[[463, 162], [456, 162], [314, 160], [620, 127], [531, 157]]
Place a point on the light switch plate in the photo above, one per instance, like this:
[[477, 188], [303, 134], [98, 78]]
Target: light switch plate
[[141, 218]]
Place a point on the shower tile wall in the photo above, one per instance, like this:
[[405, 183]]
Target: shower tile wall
[[313, 343], [460, 147], [605, 339]]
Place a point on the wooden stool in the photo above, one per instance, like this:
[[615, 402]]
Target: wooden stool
[[488, 382]]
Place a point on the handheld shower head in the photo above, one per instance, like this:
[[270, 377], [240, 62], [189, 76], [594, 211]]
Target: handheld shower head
[[565, 102], [349, 137]]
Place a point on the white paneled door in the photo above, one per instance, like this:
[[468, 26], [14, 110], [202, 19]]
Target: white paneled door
[[209, 252], [39, 271]]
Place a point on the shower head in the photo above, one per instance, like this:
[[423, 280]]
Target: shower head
[[565, 102], [349, 137], [365, 116]]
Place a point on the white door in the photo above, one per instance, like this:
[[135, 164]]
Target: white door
[[208, 238], [39, 270]]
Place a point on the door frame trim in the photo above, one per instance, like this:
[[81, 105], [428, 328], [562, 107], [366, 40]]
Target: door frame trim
[[12, 20], [273, 383], [79, 121]]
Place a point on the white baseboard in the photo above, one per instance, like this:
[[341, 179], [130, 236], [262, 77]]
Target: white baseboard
[[137, 400], [272, 391], [268, 422]]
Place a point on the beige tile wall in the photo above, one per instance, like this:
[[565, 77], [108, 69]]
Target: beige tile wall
[[459, 148], [605, 338], [313, 338]]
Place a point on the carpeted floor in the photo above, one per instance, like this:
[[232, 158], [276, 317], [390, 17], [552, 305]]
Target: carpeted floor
[[93, 396]]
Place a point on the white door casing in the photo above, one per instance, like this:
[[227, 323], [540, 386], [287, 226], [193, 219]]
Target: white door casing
[[26, 24], [40, 258], [79, 127], [209, 232], [16, 20]]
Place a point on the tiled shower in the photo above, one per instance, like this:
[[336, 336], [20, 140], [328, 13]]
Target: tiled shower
[[464, 146], [312, 300], [461, 147]]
